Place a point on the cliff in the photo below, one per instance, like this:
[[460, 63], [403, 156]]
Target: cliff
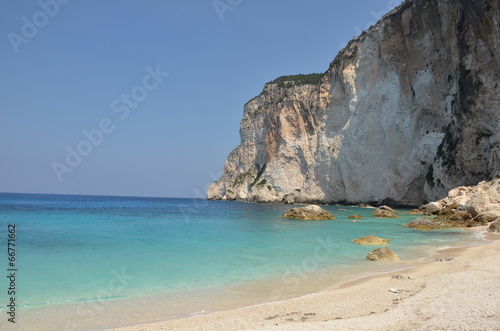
[[408, 110]]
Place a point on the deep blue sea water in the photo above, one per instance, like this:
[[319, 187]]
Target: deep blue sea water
[[74, 249]]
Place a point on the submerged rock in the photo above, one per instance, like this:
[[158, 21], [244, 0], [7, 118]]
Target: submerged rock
[[371, 240], [385, 212], [424, 224], [311, 212], [355, 217], [384, 254]]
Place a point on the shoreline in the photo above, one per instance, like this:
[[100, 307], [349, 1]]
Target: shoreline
[[364, 298]]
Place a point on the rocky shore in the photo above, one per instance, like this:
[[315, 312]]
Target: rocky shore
[[465, 206]]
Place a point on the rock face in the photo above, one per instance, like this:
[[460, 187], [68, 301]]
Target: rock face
[[384, 212], [407, 111], [384, 254], [290, 198], [311, 213], [371, 240], [425, 224]]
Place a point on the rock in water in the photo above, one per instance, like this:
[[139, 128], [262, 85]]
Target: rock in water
[[385, 212], [384, 254], [356, 217], [311, 213], [371, 240], [424, 224]]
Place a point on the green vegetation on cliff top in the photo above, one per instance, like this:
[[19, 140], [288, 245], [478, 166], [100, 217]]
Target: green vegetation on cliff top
[[297, 80]]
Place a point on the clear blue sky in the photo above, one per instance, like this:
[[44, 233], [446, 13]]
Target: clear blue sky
[[63, 68]]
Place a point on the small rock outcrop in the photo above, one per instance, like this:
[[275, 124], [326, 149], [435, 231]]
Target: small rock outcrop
[[355, 217], [310, 213], [384, 254], [424, 224], [494, 227], [385, 212], [371, 240]]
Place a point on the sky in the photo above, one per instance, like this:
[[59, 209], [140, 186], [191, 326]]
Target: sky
[[145, 97]]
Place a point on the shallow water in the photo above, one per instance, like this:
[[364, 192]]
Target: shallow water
[[84, 258]]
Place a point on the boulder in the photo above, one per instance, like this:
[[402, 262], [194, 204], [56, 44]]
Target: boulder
[[387, 208], [459, 217], [431, 208], [384, 254], [478, 202], [311, 213], [494, 227], [486, 217], [355, 216], [424, 224], [363, 205], [446, 212], [385, 212], [371, 240]]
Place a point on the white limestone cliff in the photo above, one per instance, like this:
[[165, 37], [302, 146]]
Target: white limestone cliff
[[407, 111]]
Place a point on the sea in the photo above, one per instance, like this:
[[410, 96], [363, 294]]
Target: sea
[[96, 262]]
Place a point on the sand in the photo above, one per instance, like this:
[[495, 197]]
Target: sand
[[457, 290]]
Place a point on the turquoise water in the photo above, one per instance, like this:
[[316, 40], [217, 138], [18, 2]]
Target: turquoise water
[[81, 248]]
